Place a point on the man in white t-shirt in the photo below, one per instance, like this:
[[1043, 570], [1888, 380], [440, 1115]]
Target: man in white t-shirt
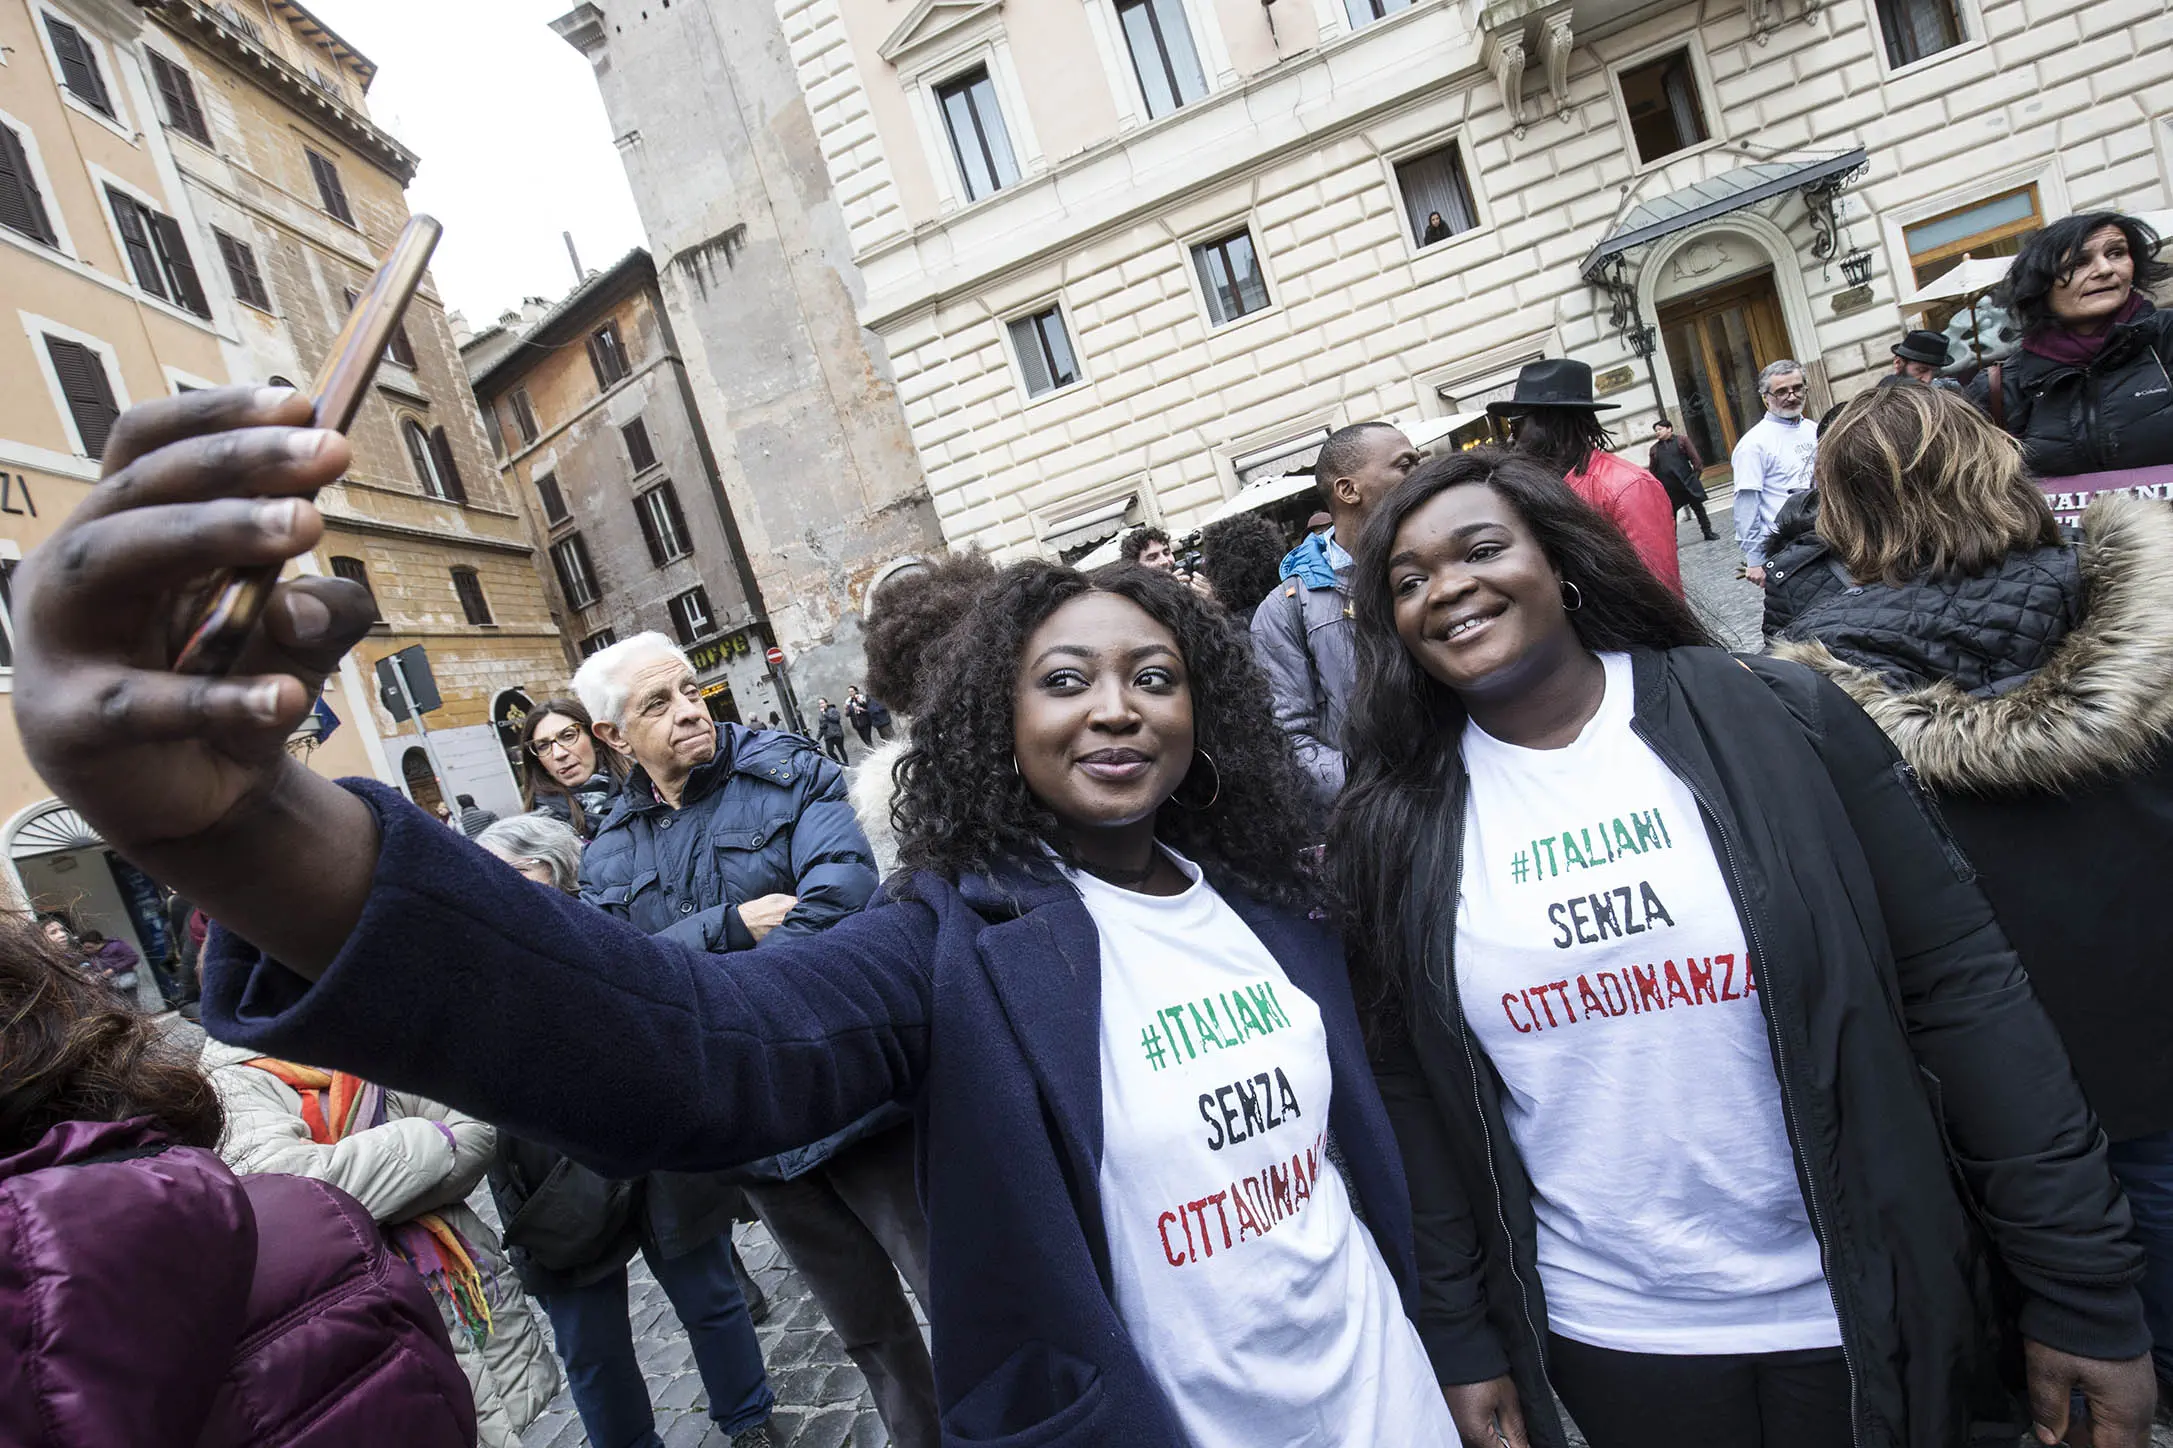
[[1772, 461]]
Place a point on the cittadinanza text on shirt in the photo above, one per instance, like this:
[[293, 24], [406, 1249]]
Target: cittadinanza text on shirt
[[1257, 1299], [1603, 969]]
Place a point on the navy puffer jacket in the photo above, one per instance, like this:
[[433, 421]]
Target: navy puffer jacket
[[768, 815]]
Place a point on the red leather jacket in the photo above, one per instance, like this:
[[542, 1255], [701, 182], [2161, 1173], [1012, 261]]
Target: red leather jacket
[[1637, 503]]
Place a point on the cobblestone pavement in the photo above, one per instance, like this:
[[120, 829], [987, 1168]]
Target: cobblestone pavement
[[822, 1401], [1730, 606]]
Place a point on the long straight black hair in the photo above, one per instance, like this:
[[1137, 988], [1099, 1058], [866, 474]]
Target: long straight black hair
[[1392, 843]]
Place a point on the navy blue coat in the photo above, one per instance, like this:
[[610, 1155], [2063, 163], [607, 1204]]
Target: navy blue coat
[[978, 1006], [767, 815]]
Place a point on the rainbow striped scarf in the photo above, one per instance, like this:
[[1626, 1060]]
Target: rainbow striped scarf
[[335, 1106]]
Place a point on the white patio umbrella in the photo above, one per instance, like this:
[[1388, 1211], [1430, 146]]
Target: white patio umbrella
[[1967, 282]]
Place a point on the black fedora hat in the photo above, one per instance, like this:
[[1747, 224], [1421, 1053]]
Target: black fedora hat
[[1930, 348], [1552, 382]]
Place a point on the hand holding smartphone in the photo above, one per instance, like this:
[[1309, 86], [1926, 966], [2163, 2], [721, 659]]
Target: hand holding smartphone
[[232, 599]]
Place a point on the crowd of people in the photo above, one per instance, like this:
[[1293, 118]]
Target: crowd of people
[[1386, 989]]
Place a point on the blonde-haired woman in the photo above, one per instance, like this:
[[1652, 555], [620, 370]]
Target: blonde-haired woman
[[2028, 680]]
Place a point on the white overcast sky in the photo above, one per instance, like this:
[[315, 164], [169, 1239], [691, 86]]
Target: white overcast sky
[[514, 142]]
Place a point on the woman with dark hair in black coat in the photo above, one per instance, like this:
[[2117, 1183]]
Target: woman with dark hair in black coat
[[1690, 1024], [2089, 392]]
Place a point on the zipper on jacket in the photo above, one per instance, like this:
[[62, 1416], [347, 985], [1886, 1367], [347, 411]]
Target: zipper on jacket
[[1789, 1119], [1471, 1064]]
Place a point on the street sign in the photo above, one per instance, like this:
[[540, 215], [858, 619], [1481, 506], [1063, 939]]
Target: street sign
[[415, 664], [775, 655]]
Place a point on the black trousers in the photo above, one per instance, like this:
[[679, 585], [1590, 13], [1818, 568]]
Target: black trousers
[[851, 1227], [834, 746], [1745, 1400]]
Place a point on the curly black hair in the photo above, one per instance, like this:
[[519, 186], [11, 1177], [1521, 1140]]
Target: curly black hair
[[962, 809], [1242, 558], [908, 618], [2050, 255], [1136, 542]]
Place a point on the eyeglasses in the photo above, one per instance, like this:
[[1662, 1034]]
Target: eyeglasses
[[1796, 391], [564, 739]]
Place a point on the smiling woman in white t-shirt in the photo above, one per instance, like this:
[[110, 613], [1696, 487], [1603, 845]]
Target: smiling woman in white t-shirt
[[1684, 1005]]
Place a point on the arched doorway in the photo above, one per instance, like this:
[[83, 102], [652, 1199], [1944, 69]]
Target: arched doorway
[[61, 864], [1729, 298], [422, 781]]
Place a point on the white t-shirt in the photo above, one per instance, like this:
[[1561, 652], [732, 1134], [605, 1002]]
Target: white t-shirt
[[1772, 463], [1255, 1297], [1601, 965]]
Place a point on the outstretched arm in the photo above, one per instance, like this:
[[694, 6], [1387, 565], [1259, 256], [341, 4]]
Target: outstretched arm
[[517, 1005], [470, 985]]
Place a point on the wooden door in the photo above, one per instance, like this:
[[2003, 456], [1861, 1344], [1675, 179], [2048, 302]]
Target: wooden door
[[1716, 343]]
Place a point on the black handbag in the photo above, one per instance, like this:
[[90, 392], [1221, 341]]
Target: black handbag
[[570, 1219]]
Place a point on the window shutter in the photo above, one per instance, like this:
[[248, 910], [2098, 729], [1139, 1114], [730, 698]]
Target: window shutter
[[178, 92], [418, 453], [174, 251], [241, 270], [638, 450], [89, 391], [675, 520], [329, 189], [441, 451], [643, 510], [554, 502], [400, 349], [78, 65], [21, 207], [136, 241], [596, 360], [472, 603]]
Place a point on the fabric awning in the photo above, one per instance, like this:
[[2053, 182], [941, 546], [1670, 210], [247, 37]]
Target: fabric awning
[[1088, 527], [1663, 216], [1428, 431]]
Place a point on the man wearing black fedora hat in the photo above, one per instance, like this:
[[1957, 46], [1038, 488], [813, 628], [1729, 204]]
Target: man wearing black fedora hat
[[1920, 355], [1555, 420]]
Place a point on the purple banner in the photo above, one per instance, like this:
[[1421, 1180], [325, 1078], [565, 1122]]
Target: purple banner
[[2070, 495]]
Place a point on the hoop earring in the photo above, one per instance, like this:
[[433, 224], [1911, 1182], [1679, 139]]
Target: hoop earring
[[1573, 597], [1212, 797]]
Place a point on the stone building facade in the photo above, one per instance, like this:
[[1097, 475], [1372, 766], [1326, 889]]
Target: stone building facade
[[754, 262], [164, 226], [297, 194], [1126, 256], [592, 412]]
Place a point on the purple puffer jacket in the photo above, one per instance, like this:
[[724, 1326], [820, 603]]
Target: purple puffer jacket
[[159, 1301]]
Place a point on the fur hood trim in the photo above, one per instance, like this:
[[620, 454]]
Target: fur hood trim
[[2101, 707]]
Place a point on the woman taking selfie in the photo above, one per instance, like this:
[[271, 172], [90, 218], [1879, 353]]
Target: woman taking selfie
[[1163, 1197], [566, 775], [1678, 997]]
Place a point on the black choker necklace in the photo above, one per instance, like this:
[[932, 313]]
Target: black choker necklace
[[1128, 878]]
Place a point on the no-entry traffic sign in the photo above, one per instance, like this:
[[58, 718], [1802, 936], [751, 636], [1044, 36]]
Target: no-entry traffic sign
[[775, 655]]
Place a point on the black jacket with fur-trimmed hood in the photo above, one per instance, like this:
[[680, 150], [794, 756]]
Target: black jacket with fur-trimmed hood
[[2054, 768]]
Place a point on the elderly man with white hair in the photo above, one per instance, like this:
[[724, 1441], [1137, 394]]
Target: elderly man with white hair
[[722, 837], [1772, 461]]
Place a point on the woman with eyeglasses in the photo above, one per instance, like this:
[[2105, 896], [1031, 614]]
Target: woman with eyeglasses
[[565, 774]]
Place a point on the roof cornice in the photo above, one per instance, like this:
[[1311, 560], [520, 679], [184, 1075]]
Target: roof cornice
[[200, 24]]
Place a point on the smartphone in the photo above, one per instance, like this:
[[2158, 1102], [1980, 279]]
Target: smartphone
[[228, 605]]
